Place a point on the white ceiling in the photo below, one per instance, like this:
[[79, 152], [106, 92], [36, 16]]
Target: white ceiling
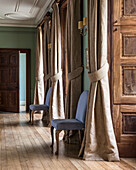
[[34, 9]]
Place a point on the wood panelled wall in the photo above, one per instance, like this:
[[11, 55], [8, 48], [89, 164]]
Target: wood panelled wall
[[123, 47]]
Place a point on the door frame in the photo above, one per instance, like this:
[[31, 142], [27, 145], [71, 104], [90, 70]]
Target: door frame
[[28, 72]]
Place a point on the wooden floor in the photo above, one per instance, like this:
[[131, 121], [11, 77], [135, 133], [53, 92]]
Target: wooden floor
[[23, 146]]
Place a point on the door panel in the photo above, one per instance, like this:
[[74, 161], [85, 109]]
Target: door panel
[[9, 81], [13, 60], [125, 12], [124, 121], [129, 7], [13, 76], [4, 72], [125, 65], [124, 76], [3, 60]]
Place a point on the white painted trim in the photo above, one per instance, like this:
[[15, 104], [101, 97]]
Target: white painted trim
[[43, 11], [18, 25], [34, 5], [37, 20]]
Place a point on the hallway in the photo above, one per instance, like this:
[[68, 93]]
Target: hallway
[[23, 146]]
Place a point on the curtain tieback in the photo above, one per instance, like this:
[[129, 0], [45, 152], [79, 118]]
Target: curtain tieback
[[47, 77], [40, 77], [99, 74], [56, 76], [74, 74]]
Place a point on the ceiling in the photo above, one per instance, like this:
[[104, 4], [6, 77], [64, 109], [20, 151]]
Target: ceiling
[[23, 13]]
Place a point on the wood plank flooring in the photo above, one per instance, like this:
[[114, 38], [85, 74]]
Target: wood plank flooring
[[23, 146]]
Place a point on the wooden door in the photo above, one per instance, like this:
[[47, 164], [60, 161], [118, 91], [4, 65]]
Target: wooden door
[[124, 12], [124, 76], [9, 81]]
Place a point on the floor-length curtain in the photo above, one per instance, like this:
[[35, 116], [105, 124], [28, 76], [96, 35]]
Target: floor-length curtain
[[39, 86], [47, 55], [99, 140], [46, 63], [74, 60], [56, 100]]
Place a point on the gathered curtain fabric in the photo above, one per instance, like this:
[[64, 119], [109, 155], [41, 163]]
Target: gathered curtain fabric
[[56, 109], [39, 85], [46, 63], [99, 141], [74, 62], [47, 56]]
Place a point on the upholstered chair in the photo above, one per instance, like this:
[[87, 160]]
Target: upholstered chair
[[71, 124], [41, 107]]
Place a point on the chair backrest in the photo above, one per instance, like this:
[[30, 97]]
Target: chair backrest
[[82, 106], [47, 101]]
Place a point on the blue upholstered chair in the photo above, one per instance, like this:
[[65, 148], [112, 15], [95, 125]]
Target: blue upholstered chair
[[37, 107], [71, 124]]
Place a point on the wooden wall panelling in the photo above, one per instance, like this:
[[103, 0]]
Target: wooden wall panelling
[[124, 122], [125, 12], [116, 55], [127, 144], [124, 76], [128, 128], [116, 121], [124, 64]]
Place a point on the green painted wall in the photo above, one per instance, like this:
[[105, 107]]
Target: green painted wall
[[86, 82], [25, 38]]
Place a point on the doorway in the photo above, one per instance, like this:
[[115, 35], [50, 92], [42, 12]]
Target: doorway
[[22, 82], [10, 79]]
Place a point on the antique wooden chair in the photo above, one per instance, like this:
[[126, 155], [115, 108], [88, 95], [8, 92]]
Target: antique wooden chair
[[71, 124], [39, 107]]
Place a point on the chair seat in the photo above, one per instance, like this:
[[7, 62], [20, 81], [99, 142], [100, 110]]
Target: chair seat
[[67, 124], [37, 107]]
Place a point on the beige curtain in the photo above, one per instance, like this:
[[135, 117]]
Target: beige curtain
[[74, 61], [46, 64], [56, 101], [47, 55], [39, 86], [99, 141]]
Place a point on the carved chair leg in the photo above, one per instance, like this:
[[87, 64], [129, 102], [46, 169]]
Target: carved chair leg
[[81, 135], [79, 132], [30, 115], [52, 135], [57, 141]]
